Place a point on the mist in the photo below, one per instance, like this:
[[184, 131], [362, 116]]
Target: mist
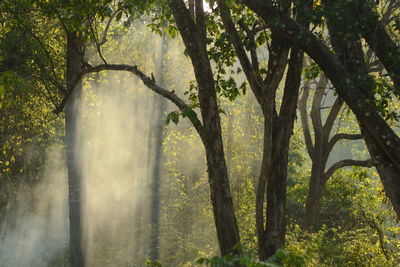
[[35, 229], [117, 126], [116, 167]]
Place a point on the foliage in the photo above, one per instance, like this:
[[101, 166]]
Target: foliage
[[354, 213], [280, 258]]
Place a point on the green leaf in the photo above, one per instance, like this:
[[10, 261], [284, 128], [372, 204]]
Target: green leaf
[[173, 116], [118, 16]]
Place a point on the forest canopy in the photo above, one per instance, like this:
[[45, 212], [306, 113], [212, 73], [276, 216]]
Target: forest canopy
[[191, 132]]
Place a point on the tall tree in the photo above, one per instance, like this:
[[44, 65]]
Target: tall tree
[[278, 126], [194, 35]]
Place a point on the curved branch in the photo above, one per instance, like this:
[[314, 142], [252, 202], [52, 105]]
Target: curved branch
[[333, 113], [96, 41], [316, 107], [342, 136], [304, 119], [148, 81], [346, 163]]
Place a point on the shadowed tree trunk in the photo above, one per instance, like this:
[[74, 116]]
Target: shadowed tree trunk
[[72, 111], [158, 136]]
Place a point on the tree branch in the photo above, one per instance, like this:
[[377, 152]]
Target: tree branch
[[291, 90], [200, 21], [191, 8], [253, 47], [379, 40], [333, 113], [352, 93], [346, 163], [252, 77], [315, 113], [50, 96], [304, 119], [342, 136], [148, 81], [96, 42]]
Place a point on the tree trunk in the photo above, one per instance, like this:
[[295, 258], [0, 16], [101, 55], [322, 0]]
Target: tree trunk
[[283, 130], [160, 105], [319, 151], [311, 210], [72, 111], [193, 33]]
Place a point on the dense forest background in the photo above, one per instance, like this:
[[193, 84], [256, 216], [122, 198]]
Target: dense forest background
[[184, 133]]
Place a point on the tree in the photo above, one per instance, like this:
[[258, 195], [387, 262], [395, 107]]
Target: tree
[[382, 143], [320, 149], [67, 21], [193, 32], [278, 127]]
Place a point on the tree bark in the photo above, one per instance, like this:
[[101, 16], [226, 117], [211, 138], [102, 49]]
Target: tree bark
[[72, 111]]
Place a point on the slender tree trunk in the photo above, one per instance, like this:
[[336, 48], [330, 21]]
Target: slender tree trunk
[[160, 105], [193, 33], [72, 111]]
